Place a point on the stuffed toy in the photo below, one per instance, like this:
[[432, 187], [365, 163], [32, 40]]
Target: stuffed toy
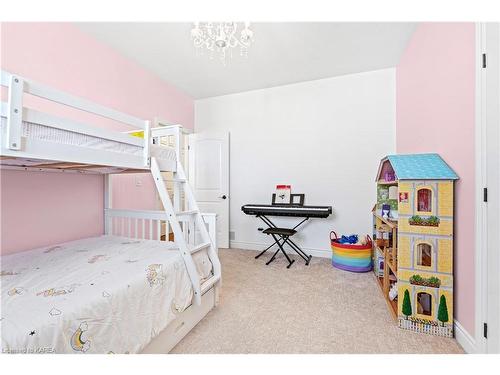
[[362, 240], [393, 292]]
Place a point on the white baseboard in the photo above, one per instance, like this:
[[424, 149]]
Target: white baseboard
[[319, 253], [465, 340]]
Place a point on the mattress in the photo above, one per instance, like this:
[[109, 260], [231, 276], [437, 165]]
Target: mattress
[[102, 294], [165, 155]]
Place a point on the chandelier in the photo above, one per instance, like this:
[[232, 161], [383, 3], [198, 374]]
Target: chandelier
[[221, 38]]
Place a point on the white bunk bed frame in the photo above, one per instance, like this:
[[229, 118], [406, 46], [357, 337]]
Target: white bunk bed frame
[[187, 226]]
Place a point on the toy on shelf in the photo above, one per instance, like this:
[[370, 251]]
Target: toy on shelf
[[378, 263], [415, 239], [389, 176], [386, 210], [393, 291], [351, 253]]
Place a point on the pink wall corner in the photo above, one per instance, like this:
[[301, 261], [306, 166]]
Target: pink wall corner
[[435, 100], [62, 56]]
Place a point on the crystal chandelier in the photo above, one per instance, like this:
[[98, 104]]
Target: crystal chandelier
[[221, 38]]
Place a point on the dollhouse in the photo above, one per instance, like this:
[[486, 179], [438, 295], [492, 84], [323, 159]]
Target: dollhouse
[[413, 247]]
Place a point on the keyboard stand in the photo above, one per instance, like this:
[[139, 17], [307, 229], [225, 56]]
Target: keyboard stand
[[282, 236]]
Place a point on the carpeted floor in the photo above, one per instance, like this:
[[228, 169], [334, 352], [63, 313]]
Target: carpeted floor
[[314, 309]]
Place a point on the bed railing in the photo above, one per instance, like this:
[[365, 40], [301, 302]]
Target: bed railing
[[154, 225], [15, 113], [173, 132], [171, 135]]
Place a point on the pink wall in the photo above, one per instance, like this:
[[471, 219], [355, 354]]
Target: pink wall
[[38, 209], [126, 186], [435, 82]]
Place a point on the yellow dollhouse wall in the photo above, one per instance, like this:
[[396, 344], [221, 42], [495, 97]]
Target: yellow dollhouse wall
[[439, 239], [405, 204], [445, 264], [404, 253], [441, 255], [445, 198], [442, 197], [435, 294]]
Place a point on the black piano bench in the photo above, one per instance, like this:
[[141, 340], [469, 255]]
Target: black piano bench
[[280, 231], [281, 236]]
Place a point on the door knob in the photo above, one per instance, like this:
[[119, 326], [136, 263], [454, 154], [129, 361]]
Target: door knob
[[223, 197]]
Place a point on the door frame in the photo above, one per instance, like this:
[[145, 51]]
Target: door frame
[[482, 280]]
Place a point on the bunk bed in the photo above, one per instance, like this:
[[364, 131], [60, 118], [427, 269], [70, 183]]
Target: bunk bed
[[127, 291]]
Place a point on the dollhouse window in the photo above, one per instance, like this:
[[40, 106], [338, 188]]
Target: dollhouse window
[[424, 254], [424, 200], [424, 303]]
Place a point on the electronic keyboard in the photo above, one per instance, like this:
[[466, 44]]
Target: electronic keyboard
[[287, 210]]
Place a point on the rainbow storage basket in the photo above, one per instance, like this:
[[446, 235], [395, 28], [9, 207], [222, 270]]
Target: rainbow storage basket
[[354, 258]]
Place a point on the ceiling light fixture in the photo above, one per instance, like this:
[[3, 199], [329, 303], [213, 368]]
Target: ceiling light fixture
[[221, 38]]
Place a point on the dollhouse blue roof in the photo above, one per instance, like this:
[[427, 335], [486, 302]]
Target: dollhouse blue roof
[[421, 167]]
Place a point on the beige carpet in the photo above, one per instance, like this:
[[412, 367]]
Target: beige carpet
[[314, 309]]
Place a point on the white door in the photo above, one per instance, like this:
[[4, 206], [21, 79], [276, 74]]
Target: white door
[[488, 167], [492, 72], [209, 178]]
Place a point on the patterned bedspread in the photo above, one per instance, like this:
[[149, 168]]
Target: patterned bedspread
[[97, 295]]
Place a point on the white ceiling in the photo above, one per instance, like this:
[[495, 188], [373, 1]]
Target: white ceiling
[[282, 53]]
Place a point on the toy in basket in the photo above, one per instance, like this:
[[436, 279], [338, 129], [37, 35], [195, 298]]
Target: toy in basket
[[349, 254]]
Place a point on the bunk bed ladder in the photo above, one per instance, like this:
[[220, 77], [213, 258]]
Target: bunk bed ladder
[[179, 236], [207, 242]]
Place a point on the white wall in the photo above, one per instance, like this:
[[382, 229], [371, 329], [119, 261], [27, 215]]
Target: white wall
[[323, 137]]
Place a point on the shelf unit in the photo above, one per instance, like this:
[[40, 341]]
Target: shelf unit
[[388, 249]]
